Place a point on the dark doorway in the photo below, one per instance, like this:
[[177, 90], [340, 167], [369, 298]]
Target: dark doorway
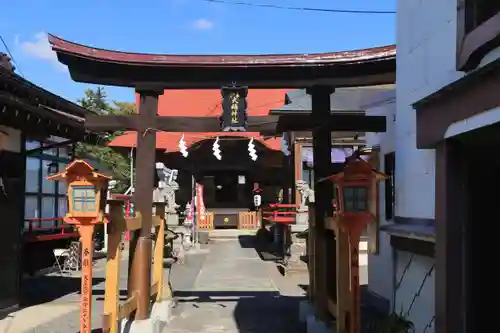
[[481, 182], [226, 188]]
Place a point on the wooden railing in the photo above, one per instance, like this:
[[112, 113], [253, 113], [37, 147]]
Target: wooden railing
[[279, 213], [113, 309], [42, 234]]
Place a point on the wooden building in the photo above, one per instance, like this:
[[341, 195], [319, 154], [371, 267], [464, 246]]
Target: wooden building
[[37, 129], [228, 183]]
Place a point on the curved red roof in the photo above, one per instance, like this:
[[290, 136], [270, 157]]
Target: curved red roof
[[206, 103], [61, 45], [169, 141]]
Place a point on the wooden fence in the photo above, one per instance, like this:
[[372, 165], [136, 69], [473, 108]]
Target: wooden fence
[[248, 220], [207, 223], [114, 310]]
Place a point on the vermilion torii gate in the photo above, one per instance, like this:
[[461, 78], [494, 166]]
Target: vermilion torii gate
[[153, 74]]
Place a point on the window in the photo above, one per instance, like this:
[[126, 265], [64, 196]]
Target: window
[[45, 199], [478, 29], [32, 175], [355, 198], [308, 175], [84, 199], [479, 11], [389, 170]]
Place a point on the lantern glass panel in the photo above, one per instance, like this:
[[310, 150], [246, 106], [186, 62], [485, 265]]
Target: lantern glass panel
[[84, 199], [355, 198]]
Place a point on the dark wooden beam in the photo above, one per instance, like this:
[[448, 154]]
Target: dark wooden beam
[[323, 193], [334, 122], [176, 124], [39, 122]]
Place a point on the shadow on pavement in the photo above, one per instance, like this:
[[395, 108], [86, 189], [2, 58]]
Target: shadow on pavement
[[253, 311], [47, 288], [262, 243]]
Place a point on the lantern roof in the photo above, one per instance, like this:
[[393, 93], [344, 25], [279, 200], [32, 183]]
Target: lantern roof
[[356, 168], [80, 167]]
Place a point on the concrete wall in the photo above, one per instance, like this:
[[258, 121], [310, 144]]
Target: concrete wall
[[414, 289], [395, 275], [426, 60], [380, 266]]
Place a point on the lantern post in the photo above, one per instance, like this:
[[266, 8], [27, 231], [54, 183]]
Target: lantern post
[[353, 190], [86, 188]]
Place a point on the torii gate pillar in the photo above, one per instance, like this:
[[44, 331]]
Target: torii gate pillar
[[323, 193], [141, 243]]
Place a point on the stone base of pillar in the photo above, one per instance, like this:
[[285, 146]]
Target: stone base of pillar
[[311, 323], [161, 315], [301, 221], [172, 219]]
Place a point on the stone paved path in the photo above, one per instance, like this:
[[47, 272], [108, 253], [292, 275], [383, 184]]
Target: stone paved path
[[56, 299], [237, 292]]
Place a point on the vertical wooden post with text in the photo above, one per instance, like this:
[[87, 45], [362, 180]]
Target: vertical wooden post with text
[[116, 228], [86, 188]]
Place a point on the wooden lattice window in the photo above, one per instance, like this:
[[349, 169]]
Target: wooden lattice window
[[84, 199]]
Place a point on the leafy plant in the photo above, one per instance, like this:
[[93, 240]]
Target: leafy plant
[[118, 164], [391, 323]]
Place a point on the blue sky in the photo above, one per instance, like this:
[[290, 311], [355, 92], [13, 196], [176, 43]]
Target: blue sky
[[181, 26]]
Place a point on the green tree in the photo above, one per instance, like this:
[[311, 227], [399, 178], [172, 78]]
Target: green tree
[[96, 100], [118, 164], [124, 108]]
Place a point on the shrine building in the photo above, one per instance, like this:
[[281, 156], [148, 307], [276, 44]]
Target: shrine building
[[228, 182]]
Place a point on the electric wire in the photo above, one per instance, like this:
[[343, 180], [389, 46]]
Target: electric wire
[[304, 9], [7, 49]]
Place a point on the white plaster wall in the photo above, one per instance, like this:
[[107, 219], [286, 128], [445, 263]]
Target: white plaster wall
[[380, 268], [426, 45], [10, 139], [418, 273], [426, 61]]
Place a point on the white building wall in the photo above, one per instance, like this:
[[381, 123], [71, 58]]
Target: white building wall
[[380, 268], [426, 62]]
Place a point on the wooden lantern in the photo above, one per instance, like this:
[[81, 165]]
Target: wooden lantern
[[86, 187], [354, 192], [85, 190]]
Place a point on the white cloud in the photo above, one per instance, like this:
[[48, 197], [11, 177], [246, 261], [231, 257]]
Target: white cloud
[[39, 48], [203, 24]]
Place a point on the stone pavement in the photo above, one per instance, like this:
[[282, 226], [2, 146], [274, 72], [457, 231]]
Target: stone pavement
[[223, 287], [54, 300], [237, 292]]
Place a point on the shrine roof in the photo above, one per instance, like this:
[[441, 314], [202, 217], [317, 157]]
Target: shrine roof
[[353, 99], [206, 103], [344, 68], [40, 112], [169, 141]]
